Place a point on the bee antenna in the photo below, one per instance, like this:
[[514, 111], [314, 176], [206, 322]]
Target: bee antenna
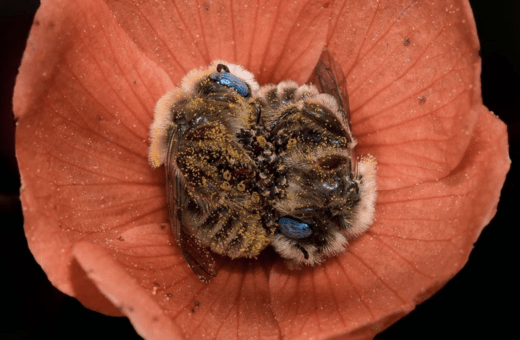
[[222, 67], [258, 112]]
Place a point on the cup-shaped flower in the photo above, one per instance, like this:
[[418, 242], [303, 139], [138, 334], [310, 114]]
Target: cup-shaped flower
[[95, 211]]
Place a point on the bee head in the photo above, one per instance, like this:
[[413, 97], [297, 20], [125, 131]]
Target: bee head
[[303, 241], [313, 229], [223, 73], [223, 76]]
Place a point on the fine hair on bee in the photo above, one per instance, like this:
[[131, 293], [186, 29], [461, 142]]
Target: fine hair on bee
[[249, 166]]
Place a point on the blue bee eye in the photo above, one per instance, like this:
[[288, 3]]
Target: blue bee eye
[[294, 229], [230, 80]]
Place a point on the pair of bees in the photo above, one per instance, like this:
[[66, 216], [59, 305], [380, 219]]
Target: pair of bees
[[249, 166]]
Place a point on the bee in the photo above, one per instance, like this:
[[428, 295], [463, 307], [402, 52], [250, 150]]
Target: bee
[[249, 166]]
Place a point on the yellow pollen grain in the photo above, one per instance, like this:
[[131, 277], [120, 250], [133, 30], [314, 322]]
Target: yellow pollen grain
[[155, 154], [261, 141], [227, 175], [291, 144]]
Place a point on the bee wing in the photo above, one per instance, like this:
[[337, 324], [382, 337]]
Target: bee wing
[[198, 257], [328, 77]]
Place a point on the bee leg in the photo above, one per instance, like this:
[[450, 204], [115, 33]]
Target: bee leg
[[305, 253], [258, 112]]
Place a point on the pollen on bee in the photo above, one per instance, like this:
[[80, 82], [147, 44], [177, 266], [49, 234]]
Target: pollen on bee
[[291, 144], [227, 175], [261, 141], [239, 158]]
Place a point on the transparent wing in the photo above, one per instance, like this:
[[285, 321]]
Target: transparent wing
[[198, 257], [328, 77]]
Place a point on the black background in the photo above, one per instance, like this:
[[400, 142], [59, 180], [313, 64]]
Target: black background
[[479, 302]]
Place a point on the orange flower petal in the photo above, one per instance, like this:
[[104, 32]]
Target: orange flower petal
[[85, 95], [414, 89], [84, 100], [413, 78], [235, 305], [422, 238], [235, 302], [124, 291], [276, 40]]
